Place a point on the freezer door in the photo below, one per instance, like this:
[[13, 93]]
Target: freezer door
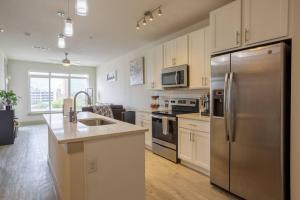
[[256, 167], [219, 161]]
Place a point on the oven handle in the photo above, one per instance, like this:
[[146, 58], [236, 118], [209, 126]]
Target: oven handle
[[160, 117]]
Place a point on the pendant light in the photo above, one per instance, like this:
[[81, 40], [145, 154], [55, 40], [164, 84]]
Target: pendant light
[[66, 62], [81, 7], [61, 41], [68, 30]]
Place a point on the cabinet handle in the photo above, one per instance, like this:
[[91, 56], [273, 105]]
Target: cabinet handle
[[193, 137], [246, 35], [237, 37], [190, 136], [205, 82]]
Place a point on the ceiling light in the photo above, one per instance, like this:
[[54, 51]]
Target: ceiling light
[[66, 62], [151, 17], [148, 15], [159, 12], [68, 27], [138, 26], [81, 7], [61, 41], [1, 30], [144, 21]]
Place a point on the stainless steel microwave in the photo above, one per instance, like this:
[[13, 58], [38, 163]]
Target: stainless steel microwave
[[175, 76]]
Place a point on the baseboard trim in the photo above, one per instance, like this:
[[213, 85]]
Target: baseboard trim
[[196, 168]]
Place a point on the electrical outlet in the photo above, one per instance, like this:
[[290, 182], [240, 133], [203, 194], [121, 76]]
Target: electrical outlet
[[92, 166]]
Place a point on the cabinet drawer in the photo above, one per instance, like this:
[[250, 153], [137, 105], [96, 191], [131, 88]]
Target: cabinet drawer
[[194, 125]]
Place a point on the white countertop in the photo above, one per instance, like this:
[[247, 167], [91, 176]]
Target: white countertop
[[194, 116], [67, 132]]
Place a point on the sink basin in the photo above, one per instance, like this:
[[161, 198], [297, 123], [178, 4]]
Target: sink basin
[[95, 122]]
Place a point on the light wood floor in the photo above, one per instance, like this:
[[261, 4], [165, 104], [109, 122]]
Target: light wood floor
[[24, 173]]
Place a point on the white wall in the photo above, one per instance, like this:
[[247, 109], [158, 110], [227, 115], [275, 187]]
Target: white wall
[[2, 70], [295, 116], [120, 92], [19, 83]]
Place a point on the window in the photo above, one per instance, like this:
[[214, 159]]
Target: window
[[47, 90]]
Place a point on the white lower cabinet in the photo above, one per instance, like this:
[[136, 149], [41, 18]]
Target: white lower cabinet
[[185, 145], [194, 144], [143, 119]]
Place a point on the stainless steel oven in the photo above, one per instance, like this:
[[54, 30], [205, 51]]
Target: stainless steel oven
[[165, 127], [175, 76], [164, 136]]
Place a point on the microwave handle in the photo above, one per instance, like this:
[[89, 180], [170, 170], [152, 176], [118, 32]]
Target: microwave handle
[[176, 78]]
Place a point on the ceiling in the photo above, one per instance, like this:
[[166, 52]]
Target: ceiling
[[107, 32]]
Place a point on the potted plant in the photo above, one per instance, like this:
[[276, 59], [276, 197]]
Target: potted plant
[[9, 98]]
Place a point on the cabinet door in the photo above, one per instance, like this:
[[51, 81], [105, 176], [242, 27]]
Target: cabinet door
[[201, 149], [158, 65], [150, 69], [264, 20], [181, 57], [197, 58], [148, 136], [226, 26], [185, 145], [207, 56], [169, 53]]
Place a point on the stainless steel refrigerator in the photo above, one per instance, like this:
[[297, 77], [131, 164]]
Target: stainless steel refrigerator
[[249, 122]]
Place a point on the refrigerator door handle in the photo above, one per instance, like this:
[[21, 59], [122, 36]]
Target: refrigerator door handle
[[230, 109], [226, 105]]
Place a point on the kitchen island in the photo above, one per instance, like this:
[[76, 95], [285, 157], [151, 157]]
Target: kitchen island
[[96, 158]]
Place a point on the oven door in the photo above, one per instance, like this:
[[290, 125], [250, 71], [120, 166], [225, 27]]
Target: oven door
[[164, 131]]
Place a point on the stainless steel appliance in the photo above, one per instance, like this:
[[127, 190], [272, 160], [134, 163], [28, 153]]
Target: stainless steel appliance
[[249, 129], [165, 130], [175, 76]]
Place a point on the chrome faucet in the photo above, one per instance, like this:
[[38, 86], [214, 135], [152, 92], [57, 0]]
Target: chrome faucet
[[74, 117]]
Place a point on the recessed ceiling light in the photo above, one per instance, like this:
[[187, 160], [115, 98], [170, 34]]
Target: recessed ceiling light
[[1, 30]]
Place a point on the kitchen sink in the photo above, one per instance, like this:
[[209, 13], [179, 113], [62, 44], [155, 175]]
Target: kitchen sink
[[95, 122]]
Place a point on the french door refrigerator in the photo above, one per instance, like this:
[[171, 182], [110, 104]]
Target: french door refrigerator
[[249, 133]]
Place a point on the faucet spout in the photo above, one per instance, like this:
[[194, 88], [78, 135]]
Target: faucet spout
[[75, 100]]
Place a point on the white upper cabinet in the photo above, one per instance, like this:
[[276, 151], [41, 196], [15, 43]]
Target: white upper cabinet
[[199, 58], [176, 52], [225, 25], [181, 50], [154, 64], [207, 33], [264, 20]]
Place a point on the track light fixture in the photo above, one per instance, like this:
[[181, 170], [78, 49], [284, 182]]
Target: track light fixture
[[148, 15]]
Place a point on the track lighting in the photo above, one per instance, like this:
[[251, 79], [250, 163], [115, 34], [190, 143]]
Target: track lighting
[[138, 26], [159, 12], [151, 17], [148, 15], [68, 27], [144, 22], [81, 7], [61, 41]]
